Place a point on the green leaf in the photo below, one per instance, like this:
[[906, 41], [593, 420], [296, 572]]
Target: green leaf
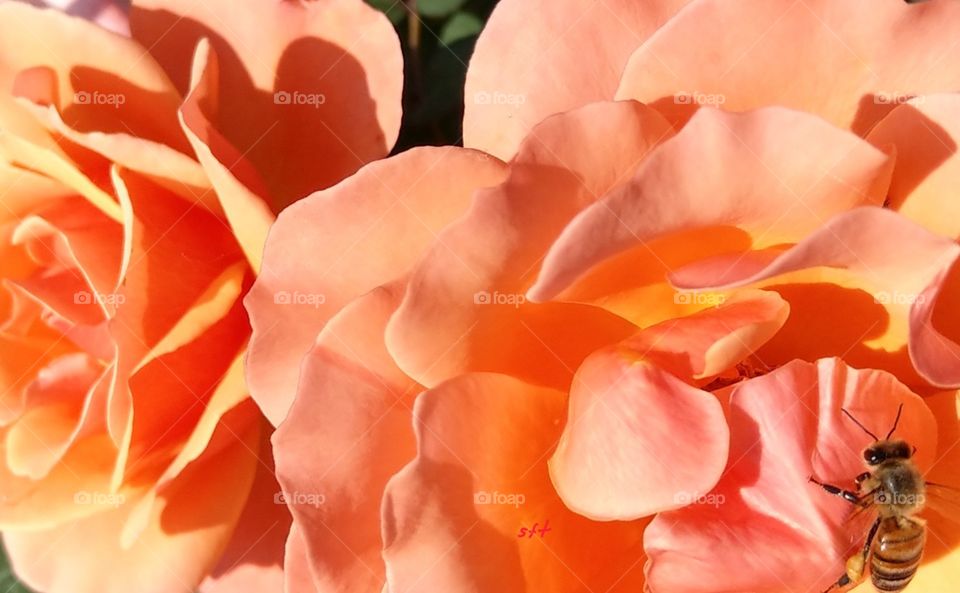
[[394, 9], [438, 8], [8, 582], [460, 26]]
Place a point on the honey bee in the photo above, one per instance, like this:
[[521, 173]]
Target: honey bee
[[895, 489]]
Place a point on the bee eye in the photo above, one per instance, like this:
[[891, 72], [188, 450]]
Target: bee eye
[[872, 456]]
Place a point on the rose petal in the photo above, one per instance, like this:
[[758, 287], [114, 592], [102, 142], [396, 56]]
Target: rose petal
[[347, 432], [168, 167], [103, 81], [238, 186], [365, 232], [943, 530], [924, 132], [182, 259], [459, 517], [53, 163], [547, 72], [43, 504], [186, 533], [765, 525], [638, 439], [902, 264], [633, 284], [26, 192], [75, 236], [471, 299], [58, 401], [773, 53], [344, 54], [177, 252], [229, 393], [18, 353], [165, 439], [715, 339], [296, 569], [935, 355], [170, 393], [253, 561], [724, 169]]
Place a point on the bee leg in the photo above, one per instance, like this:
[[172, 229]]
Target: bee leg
[[861, 479], [847, 495], [840, 584], [856, 565]]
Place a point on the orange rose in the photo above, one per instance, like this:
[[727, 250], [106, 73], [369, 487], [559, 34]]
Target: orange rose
[[513, 365], [137, 181]]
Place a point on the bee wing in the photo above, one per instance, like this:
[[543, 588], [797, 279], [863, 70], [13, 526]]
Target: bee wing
[[943, 500]]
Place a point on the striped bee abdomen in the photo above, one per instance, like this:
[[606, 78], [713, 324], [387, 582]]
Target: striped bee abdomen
[[896, 553]]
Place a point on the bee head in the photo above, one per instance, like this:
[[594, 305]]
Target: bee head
[[881, 451]]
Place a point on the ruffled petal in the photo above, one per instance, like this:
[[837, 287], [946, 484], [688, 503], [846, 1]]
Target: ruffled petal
[[562, 55], [899, 263], [942, 553], [297, 577], [299, 79], [713, 340], [366, 231], [180, 288], [639, 439], [724, 169], [57, 402], [253, 561], [184, 537], [166, 166], [239, 189], [777, 52], [99, 81], [471, 299], [925, 132], [347, 432], [468, 514]]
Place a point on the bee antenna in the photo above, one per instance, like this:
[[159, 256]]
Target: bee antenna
[[895, 422], [857, 422]]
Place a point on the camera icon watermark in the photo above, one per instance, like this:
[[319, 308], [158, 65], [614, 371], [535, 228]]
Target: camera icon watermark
[[697, 98], [114, 100], [83, 297], [312, 499], [314, 100], [899, 498], [514, 499], [513, 299], [309, 299], [110, 499], [690, 498], [499, 98], [895, 297], [709, 299]]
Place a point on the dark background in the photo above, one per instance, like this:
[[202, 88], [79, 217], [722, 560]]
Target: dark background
[[438, 38]]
